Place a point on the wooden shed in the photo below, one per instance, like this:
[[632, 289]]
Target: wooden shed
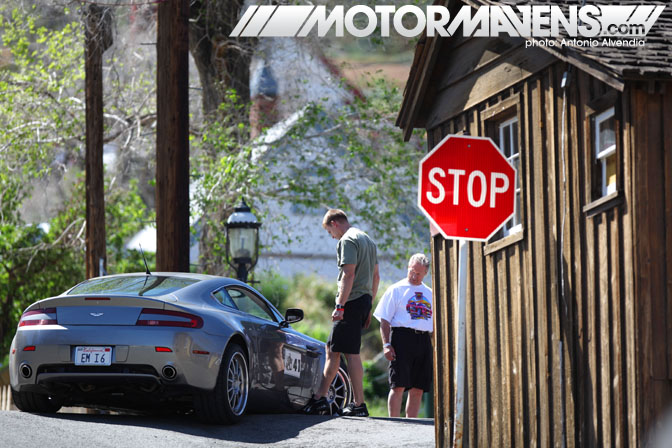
[[569, 311]]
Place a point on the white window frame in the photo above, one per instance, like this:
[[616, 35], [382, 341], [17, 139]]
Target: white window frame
[[603, 155], [513, 225]]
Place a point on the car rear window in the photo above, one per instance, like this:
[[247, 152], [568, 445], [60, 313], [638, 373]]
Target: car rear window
[[141, 285]]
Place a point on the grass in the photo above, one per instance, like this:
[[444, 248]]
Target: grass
[[377, 406]]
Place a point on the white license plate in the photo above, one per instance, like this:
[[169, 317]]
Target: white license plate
[[93, 356], [292, 363]]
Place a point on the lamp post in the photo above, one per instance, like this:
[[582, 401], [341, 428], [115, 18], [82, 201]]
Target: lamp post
[[242, 240]]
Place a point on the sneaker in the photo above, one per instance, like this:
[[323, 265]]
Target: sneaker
[[352, 410], [316, 407]]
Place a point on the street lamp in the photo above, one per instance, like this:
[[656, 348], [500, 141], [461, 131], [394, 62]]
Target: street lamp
[[242, 240]]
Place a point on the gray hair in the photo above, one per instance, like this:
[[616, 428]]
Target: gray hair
[[419, 258]]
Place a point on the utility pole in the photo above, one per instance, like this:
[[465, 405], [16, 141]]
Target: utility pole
[[98, 38], [172, 139]]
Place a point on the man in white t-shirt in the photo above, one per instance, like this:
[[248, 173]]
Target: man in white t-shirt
[[405, 315]]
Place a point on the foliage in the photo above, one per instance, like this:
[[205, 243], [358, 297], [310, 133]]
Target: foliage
[[353, 158], [39, 91], [315, 297], [222, 174], [36, 264], [375, 379], [275, 288], [41, 130], [347, 157]]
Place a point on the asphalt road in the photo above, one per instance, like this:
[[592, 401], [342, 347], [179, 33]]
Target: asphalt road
[[19, 429]]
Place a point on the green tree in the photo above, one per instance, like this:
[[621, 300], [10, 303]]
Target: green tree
[[41, 131], [350, 157]]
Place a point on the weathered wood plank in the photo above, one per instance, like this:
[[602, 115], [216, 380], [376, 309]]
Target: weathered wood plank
[[475, 55], [502, 312], [667, 191], [441, 302], [493, 351], [618, 376], [530, 364], [570, 290], [603, 324], [516, 337], [589, 377], [554, 189], [631, 367], [471, 412], [540, 258], [484, 83], [485, 375]]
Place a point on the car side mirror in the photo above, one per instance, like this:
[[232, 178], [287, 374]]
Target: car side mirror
[[293, 315]]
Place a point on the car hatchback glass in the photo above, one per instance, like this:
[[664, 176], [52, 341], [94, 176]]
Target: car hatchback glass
[[138, 285]]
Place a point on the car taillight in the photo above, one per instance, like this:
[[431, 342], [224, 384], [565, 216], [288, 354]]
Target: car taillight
[[46, 316], [166, 318]]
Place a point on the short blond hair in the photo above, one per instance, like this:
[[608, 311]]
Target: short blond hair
[[333, 214]]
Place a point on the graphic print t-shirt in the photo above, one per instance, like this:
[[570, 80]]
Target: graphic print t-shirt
[[406, 305]]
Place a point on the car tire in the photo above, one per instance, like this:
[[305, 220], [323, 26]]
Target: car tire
[[227, 403], [36, 403], [340, 391]]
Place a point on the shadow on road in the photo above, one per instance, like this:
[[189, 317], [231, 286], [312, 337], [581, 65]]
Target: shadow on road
[[254, 428]]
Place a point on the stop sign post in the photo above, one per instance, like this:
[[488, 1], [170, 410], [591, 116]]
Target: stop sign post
[[466, 188]]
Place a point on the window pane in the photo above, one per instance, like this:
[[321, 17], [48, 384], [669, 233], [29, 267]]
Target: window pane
[[249, 304], [515, 149], [141, 285], [611, 174], [607, 134], [517, 217], [506, 147], [224, 298], [515, 161]]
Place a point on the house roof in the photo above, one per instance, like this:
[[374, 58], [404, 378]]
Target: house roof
[[612, 65]]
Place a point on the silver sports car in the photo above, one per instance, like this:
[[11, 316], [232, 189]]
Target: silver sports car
[[178, 341]]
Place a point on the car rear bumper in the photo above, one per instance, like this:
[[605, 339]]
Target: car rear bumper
[[191, 357]]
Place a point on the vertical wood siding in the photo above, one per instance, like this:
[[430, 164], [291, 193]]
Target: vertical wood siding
[[651, 110], [566, 326]]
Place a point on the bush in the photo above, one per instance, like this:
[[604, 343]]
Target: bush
[[375, 379], [275, 288]]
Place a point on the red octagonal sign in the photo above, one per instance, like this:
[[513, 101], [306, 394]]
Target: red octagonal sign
[[467, 188]]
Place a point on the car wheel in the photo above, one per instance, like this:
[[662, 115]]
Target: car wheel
[[340, 391], [36, 403], [226, 404]]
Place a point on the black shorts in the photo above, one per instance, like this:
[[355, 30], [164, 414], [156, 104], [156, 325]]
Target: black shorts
[[412, 367], [346, 334]]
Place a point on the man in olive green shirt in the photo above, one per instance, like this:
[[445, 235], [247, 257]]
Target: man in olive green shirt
[[358, 280]]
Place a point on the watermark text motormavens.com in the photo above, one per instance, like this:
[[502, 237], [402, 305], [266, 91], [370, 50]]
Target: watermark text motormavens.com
[[537, 21]]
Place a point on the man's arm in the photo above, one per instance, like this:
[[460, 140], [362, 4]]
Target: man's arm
[[376, 282], [345, 285], [388, 350], [344, 290], [374, 292]]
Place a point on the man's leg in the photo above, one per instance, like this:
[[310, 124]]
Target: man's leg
[[331, 366], [394, 400], [413, 402], [356, 372]]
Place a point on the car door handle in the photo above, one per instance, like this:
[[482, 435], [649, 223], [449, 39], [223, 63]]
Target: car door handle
[[312, 351]]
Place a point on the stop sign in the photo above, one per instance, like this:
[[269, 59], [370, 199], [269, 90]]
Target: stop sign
[[467, 187]]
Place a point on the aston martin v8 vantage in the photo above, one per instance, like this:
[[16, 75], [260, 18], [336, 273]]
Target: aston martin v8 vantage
[[189, 342]]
